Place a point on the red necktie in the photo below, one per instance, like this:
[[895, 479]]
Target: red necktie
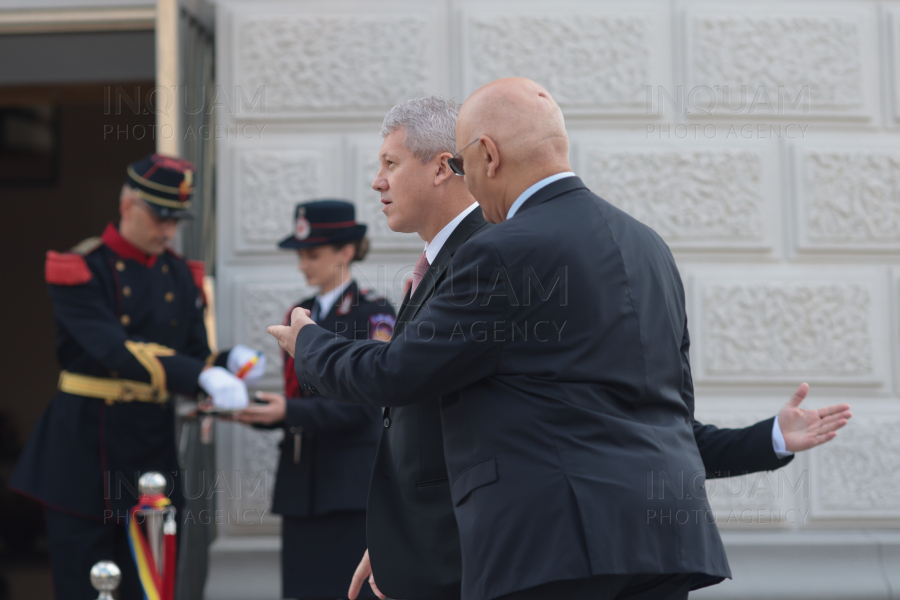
[[419, 272]]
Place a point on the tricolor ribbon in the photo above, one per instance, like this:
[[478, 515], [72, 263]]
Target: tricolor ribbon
[[156, 586], [242, 372]]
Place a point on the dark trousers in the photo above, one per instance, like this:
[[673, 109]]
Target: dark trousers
[[320, 554], [610, 587], [75, 544]]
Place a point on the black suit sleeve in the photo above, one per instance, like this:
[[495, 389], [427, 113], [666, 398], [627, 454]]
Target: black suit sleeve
[[729, 452], [446, 348], [316, 414]]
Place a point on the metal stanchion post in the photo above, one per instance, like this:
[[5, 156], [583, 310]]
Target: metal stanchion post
[[105, 577], [152, 484], [154, 552]]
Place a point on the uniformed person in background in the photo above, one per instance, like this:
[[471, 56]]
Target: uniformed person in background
[[329, 447], [130, 333]]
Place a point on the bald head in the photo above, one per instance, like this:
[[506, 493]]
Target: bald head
[[519, 114], [522, 140]]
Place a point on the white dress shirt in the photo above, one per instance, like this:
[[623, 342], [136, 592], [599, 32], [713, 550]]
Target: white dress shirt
[[432, 249], [778, 443], [530, 191]]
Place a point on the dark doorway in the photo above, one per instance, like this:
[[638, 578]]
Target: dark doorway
[[57, 189]]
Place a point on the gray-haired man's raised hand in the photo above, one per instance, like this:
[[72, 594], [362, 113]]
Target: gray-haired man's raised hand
[[287, 336]]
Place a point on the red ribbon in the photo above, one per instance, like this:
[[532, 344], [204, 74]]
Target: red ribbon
[[169, 567], [156, 585]]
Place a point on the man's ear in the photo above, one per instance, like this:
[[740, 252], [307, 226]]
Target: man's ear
[[443, 168], [491, 156]]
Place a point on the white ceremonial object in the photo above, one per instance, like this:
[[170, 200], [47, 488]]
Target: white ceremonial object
[[238, 359], [227, 391]]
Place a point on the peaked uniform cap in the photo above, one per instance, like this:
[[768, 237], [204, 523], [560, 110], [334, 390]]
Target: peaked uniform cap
[[165, 183], [320, 222]]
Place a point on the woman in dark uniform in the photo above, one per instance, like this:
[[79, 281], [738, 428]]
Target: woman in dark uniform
[[329, 447]]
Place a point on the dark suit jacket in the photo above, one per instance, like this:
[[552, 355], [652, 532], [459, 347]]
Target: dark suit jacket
[[411, 531], [337, 440], [412, 534], [558, 342]]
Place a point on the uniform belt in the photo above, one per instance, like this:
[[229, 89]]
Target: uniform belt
[[111, 390]]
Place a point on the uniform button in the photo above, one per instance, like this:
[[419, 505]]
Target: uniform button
[[165, 269], [169, 296], [174, 322], [387, 422], [125, 320], [120, 265], [126, 291]]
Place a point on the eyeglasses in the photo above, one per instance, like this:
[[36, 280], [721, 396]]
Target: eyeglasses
[[456, 162]]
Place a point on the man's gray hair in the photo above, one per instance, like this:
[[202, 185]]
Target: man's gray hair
[[430, 126]]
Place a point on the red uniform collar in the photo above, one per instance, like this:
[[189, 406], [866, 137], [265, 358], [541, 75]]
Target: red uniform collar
[[114, 240]]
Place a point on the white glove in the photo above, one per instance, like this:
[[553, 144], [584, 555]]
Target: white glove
[[240, 357], [227, 391]]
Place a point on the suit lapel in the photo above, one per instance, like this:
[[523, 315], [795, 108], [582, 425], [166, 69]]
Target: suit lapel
[[426, 286], [412, 304], [404, 308], [332, 313]]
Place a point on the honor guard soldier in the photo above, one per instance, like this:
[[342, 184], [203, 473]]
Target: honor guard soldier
[[329, 447], [130, 333]]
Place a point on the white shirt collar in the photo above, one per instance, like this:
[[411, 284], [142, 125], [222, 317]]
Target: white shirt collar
[[531, 191], [432, 249], [327, 300]]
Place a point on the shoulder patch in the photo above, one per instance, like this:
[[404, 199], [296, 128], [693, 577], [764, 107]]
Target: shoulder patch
[[198, 272], [66, 269], [381, 327]]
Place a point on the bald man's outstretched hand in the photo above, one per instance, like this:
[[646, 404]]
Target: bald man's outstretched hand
[[805, 429], [287, 335]]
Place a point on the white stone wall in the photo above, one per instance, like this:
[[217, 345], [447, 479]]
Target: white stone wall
[[760, 139]]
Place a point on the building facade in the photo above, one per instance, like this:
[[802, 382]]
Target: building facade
[[760, 139]]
